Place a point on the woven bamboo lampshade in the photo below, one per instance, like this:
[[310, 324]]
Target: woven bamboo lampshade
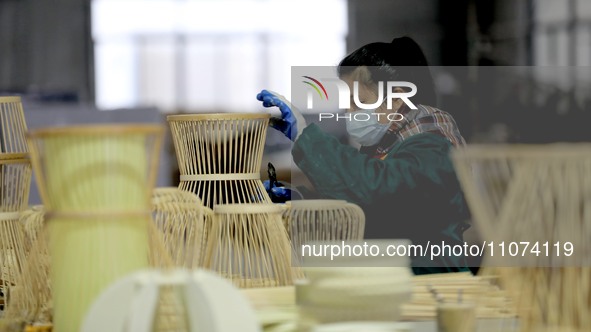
[[13, 142], [219, 156], [96, 168], [322, 220], [30, 299], [13, 250], [15, 178], [15, 182], [96, 184], [183, 221], [536, 194], [33, 221], [248, 245]]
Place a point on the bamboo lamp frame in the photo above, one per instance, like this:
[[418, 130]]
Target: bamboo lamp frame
[[219, 156], [15, 183], [322, 220], [96, 184], [15, 179], [183, 221], [33, 221], [81, 161], [536, 193], [13, 143], [248, 245], [32, 301], [13, 252]]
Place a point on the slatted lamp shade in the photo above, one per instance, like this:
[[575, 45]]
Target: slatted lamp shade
[[322, 220], [14, 128], [219, 156], [248, 245], [96, 184], [538, 194], [183, 222], [15, 180]]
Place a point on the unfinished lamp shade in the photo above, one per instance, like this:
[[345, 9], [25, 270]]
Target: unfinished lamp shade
[[183, 222], [14, 128], [15, 180], [322, 220], [30, 297], [248, 245], [219, 156], [96, 168], [536, 194], [96, 184]]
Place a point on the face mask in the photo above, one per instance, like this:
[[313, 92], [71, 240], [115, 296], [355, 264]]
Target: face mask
[[368, 132]]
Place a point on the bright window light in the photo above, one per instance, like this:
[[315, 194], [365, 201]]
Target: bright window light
[[209, 55]]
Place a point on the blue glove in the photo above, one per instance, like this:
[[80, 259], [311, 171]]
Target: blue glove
[[291, 122], [277, 192]]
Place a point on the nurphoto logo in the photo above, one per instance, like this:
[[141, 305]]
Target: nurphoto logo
[[344, 93]]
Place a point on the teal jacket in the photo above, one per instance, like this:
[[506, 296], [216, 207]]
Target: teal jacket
[[412, 193]]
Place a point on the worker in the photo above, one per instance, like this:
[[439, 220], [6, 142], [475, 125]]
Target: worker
[[402, 175]]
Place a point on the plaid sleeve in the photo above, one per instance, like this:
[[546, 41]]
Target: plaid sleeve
[[436, 122]]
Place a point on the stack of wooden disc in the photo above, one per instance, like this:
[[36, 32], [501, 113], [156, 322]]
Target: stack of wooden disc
[[277, 306], [340, 294]]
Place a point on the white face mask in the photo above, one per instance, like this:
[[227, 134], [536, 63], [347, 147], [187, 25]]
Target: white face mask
[[368, 132]]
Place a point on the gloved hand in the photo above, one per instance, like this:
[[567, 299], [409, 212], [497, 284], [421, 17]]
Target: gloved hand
[[291, 122], [277, 192]]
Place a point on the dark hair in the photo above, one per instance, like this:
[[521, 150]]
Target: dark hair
[[400, 60]]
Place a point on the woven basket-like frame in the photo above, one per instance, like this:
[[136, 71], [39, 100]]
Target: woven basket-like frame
[[538, 194], [15, 181], [183, 221], [322, 220], [96, 184], [13, 142], [219, 156], [249, 245]]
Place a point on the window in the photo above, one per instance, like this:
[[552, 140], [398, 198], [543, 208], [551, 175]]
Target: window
[[209, 55], [562, 45]]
